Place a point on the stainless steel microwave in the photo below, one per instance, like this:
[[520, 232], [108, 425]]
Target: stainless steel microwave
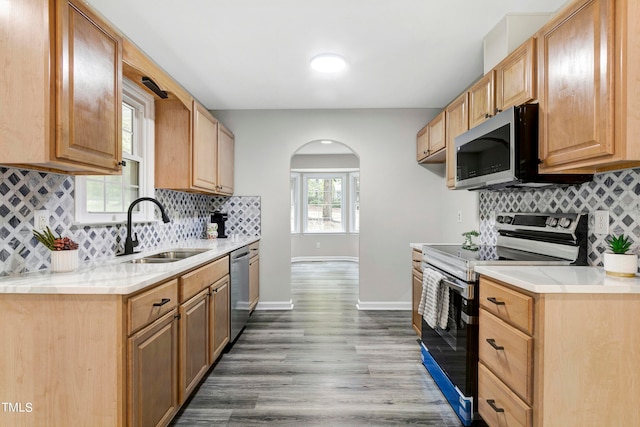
[[502, 152]]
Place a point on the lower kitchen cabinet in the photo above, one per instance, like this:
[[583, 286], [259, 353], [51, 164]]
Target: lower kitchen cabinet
[[153, 373], [194, 342], [254, 275], [119, 360], [416, 286], [557, 359], [219, 324]]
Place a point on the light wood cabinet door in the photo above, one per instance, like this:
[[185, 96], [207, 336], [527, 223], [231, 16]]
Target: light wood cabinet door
[[431, 141], [194, 342], [153, 373], [437, 140], [254, 282], [226, 145], [422, 143], [516, 77], [481, 100], [205, 149], [576, 59], [219, 321], [88, 87], [457, 122], [416, 321]]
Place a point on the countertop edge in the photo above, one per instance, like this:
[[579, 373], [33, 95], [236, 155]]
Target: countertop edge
[[567, 280]]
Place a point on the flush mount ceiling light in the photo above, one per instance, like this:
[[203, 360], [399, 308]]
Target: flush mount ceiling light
[[328, 63], [326, 141]]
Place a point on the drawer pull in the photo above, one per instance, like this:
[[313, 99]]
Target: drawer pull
[[492, 403], [493, 344], [495, 301], [162, 302]]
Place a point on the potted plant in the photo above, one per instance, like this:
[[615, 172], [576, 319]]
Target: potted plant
[[64, 251], [620, 261]]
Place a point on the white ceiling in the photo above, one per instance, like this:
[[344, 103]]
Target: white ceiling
[[254, 54]]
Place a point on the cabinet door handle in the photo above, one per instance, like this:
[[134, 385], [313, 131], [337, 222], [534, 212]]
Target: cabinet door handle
[[498, 110], [493, 344], [162, 302], [495, 301], [487, 115], [492, 403]]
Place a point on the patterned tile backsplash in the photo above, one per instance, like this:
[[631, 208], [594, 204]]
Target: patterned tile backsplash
[[617, 192], [23, 192]]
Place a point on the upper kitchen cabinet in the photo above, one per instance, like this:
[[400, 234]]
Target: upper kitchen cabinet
[[589, 71], [515, 77], [62, 88], [186, 147], [431, 141], [481, 100], [226, 147], [457, 122]]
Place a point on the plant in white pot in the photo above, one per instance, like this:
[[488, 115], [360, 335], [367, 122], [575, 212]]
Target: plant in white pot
[[64, 251], [620, 261]]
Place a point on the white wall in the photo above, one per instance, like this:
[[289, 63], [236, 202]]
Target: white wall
[[305, 247], [400, 201]]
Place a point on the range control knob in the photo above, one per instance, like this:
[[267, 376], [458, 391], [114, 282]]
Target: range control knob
[[565, 222], [508, 219], [552, 221], [500, 219]]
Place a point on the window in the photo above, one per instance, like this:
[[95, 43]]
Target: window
[[106, 199], [325, 202]]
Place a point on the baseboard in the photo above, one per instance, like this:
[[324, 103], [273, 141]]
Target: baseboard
[[325, 258], [384, 305], [275, 305]]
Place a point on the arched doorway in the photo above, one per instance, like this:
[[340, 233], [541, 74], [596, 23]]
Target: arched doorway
[[325, 202]]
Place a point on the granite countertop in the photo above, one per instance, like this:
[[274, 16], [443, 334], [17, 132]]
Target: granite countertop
[[116, 275], [562, 279]]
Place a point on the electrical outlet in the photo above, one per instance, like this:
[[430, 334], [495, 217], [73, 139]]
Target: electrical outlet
[[41, 219], [601, 222], [492, 217], [317, 245], [459, 216]]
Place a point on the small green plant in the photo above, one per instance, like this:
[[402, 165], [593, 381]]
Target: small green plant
[[619, 244], [54, 243]]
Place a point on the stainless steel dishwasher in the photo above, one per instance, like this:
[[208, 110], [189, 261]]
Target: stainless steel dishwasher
[[239, 261]]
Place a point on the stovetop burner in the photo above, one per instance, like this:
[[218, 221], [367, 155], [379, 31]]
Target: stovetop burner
[[492, 253]]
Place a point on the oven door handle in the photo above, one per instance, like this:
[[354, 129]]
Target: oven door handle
[[462, 290]]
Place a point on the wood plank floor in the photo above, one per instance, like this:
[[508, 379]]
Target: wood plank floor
[[324, 363]]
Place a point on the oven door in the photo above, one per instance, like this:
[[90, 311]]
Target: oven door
[[455, 348]]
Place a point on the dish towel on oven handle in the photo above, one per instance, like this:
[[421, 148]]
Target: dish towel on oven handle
[[434, 301]]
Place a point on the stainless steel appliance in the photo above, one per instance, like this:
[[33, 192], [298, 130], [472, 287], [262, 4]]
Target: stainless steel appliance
[[502, 152], [451, 354], [239, 260]]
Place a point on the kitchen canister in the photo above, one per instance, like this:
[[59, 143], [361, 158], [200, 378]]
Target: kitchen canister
[[212, 230]]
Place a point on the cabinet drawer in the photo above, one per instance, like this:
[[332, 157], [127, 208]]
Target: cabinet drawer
[[196, 280], [507, 352], [497, 405], [416, 260], [509, 305], [254, 249], [150, 305]]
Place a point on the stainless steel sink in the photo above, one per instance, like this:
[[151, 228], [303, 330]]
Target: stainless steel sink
[[152, 260], [176, 254], [168, 256]]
